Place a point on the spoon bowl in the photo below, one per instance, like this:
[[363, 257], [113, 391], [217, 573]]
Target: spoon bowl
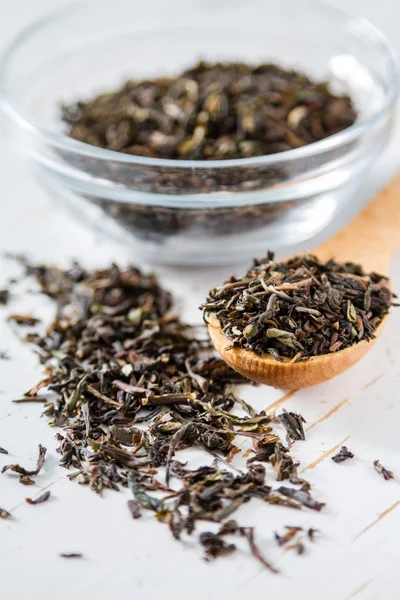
[[287, 374]]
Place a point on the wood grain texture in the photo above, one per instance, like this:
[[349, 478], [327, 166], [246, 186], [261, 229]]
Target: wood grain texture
[[380, 517], [358, 591], [272, 407], [373, 237], [331, 412]]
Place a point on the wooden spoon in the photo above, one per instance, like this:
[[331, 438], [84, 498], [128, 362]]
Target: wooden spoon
[[371, 240]]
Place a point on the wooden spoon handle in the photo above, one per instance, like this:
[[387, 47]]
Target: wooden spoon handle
[[373, 237]]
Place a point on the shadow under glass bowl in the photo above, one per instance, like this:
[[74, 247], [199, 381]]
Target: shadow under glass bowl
[[197, 212]]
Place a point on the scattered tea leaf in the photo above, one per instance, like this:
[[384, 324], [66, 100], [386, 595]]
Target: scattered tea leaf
[[215, 546], [285, 467], [134, 508], [231, 528], [26, 319], [24, 472], [294, 538], [342, 455], [4, 297], [188, 432], [288, 535], [298, 546], [42, 384], [71, 555], [382, 471], [249, 534], [301, 496], [4, 514], [26, 480], [43, 498], [140, 494], [311, 533], [26, 399], [293, 423]]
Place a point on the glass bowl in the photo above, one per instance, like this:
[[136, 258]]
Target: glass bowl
[[197, 212]]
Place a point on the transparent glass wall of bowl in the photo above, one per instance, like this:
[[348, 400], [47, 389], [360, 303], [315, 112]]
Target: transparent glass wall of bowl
[[197, 213]]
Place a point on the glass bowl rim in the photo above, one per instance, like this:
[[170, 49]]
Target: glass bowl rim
[[62, 141]]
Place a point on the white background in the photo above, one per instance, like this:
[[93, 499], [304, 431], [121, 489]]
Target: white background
[[128, 559]]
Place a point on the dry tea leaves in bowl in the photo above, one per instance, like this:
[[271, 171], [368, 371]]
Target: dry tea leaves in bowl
[[212, 111]]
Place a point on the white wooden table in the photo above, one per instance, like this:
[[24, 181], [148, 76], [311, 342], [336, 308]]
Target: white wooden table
[[357, 553]]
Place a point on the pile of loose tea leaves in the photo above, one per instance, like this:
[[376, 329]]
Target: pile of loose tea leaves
[[212, 111], [134, 386], [300, 307]]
